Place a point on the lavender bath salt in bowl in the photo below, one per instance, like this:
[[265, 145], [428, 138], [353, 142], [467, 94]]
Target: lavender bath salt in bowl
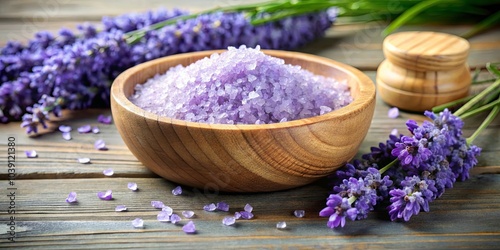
[[243, 120]]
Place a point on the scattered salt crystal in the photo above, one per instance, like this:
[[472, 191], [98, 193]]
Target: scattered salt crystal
[[281, 225], [237, 215], [66, 136], [31, 153], [104, 119], [132, 186], [393, 112], [187, 214], [100, 145], [138, 223], [240, 86], [228, 220], [84, 129], [210, 207], [84, 160], [108, 195], [394, 132], [248, 208], [108, 172], [121, 208], [222, 206], [299, 213], [167, 210], [189, 228], [157, 204], [177, 190], [174, 218], [163, 216], [71, 198], [246, 215], [65, 129], [95, 130]]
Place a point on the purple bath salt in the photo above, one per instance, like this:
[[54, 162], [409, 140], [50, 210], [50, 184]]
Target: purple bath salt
[[240, 86]]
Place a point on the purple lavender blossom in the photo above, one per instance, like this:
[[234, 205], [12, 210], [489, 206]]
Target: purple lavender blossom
[[409, 171], [338, 209], [76, 69]]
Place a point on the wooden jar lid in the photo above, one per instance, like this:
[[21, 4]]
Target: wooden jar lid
[[426, 51]]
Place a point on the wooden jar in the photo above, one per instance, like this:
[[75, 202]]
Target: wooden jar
[[423, 70]]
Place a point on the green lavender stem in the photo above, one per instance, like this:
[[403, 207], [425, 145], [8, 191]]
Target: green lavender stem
[[477, 98]]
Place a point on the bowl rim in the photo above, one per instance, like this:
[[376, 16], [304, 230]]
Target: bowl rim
[[364, 99]]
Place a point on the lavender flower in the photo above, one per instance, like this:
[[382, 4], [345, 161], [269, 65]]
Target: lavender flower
[[416, 170], [75, 70]]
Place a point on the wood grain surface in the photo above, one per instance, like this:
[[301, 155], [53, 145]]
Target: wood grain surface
[[466, 216]]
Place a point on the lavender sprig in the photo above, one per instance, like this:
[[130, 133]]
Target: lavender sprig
[[417, 169], [79, 74]]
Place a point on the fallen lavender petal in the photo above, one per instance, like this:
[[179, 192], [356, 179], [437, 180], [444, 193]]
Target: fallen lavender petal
[[84, 129], [228, 220], [108, 195], [246, 215], [84, 160], [132, 186], [174, 218], [95, 130], [167, 210], [210, 207], [138, 223], [393, 113], [71, 198], [121, 208], [177, 190], [104, 119], [31, 153], [188, 214], [66, 136], [100, 145], [281, 225], [299, 213], [65, 129], [163, 217], [222, 206], [157, 204], [189, 228], [248, 208], [108, 172]]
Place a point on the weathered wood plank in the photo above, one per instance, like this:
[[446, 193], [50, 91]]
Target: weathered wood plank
[[357, 45], [462, 217]]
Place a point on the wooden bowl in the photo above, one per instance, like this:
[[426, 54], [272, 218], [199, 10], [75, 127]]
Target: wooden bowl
[[244, 158]]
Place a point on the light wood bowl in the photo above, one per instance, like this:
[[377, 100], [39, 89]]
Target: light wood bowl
[[244, 158]]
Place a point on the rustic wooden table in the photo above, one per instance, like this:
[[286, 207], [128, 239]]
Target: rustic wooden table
[[466, 216]]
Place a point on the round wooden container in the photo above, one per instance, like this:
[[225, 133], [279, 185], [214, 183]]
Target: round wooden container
[[423, 70]]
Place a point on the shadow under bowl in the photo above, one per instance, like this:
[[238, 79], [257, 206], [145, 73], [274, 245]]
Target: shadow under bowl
[[249, 157]]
